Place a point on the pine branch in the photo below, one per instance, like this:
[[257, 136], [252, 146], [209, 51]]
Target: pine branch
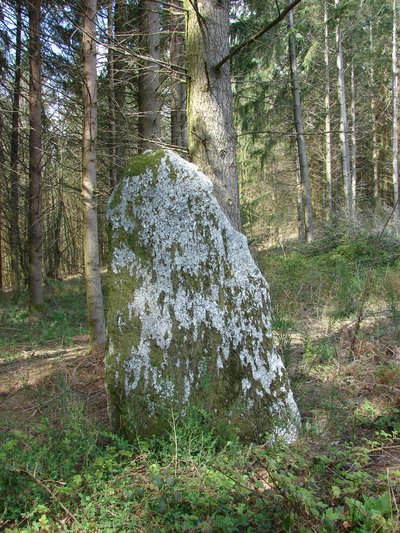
[[257, 35]]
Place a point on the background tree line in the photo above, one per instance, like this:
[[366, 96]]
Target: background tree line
[[315, 107]]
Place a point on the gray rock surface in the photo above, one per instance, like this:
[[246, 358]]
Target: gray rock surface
[[188, 310]]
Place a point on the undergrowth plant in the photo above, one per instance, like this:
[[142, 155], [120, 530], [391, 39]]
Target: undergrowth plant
[[79, 478], [61, 319], [61, 470]]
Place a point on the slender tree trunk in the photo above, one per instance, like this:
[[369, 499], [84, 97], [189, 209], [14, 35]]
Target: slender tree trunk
[[35, 157], [301, 225], [54, 231], [212, 137], [298, 123], [375, 149], [111, 95], [328, 122], [14, 231], [120, 76], [353, 139], [395, 120], [149, 76], [344, 130], [178, 87], [96, 320]]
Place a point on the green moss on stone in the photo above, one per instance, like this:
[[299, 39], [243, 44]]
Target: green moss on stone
[[142, 163]]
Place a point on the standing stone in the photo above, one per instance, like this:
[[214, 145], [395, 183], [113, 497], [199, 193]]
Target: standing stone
[[188, 310]]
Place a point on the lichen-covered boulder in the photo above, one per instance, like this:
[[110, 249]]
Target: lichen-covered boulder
[[188, 310]]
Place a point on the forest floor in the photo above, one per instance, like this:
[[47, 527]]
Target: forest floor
[[61, 469]]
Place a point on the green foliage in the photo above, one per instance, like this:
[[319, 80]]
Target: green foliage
[[91, 480], [328, 275], [282, 326]]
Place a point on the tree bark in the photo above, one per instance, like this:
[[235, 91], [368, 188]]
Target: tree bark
[[2, 206], [1, 250], [353, 139], [111, 95], [178, 86], [14, 231], [212, 138], [301, 226], [96, 320], [120, 76], [149, 76], [298, 122], [344, 133], [395, 119], [375, 148], [328, 122], [35, 158]]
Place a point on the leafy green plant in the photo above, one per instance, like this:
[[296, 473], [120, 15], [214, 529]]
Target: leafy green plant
[[282, 325]]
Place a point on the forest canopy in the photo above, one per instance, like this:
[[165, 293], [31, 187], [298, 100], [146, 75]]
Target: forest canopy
[[315, 111]]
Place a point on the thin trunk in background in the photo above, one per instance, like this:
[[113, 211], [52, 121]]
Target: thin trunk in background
[[111, 94], [119, 91], [344, 130], [96, 320], [212, 137], [301, 226], [375, 149], [178, 84], [353, 139], [298, 123], [35, 158], [13, 207], [395, 119], [328, 134], [149, 76]]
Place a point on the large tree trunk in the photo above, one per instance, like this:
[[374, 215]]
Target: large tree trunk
[[149, 76], [2, 206], [353, 139], [328, 134], [395, 119], [111, 95], [1, 250], [120, 76], [298, 123], [344, 130], [35, 157], [13, 207], [212, 138], [96, 320], [178, 87]]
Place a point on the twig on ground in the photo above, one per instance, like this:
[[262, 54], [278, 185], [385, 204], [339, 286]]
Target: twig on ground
[[41, 484]]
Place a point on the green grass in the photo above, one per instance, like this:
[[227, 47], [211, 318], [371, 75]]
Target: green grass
[[62, 318], [326, 278], [62, 470]]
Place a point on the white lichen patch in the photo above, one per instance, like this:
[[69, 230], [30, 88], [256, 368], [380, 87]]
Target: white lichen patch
[[187, 302]]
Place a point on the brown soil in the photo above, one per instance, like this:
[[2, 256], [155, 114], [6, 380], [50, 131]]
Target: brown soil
[[29, 384]]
